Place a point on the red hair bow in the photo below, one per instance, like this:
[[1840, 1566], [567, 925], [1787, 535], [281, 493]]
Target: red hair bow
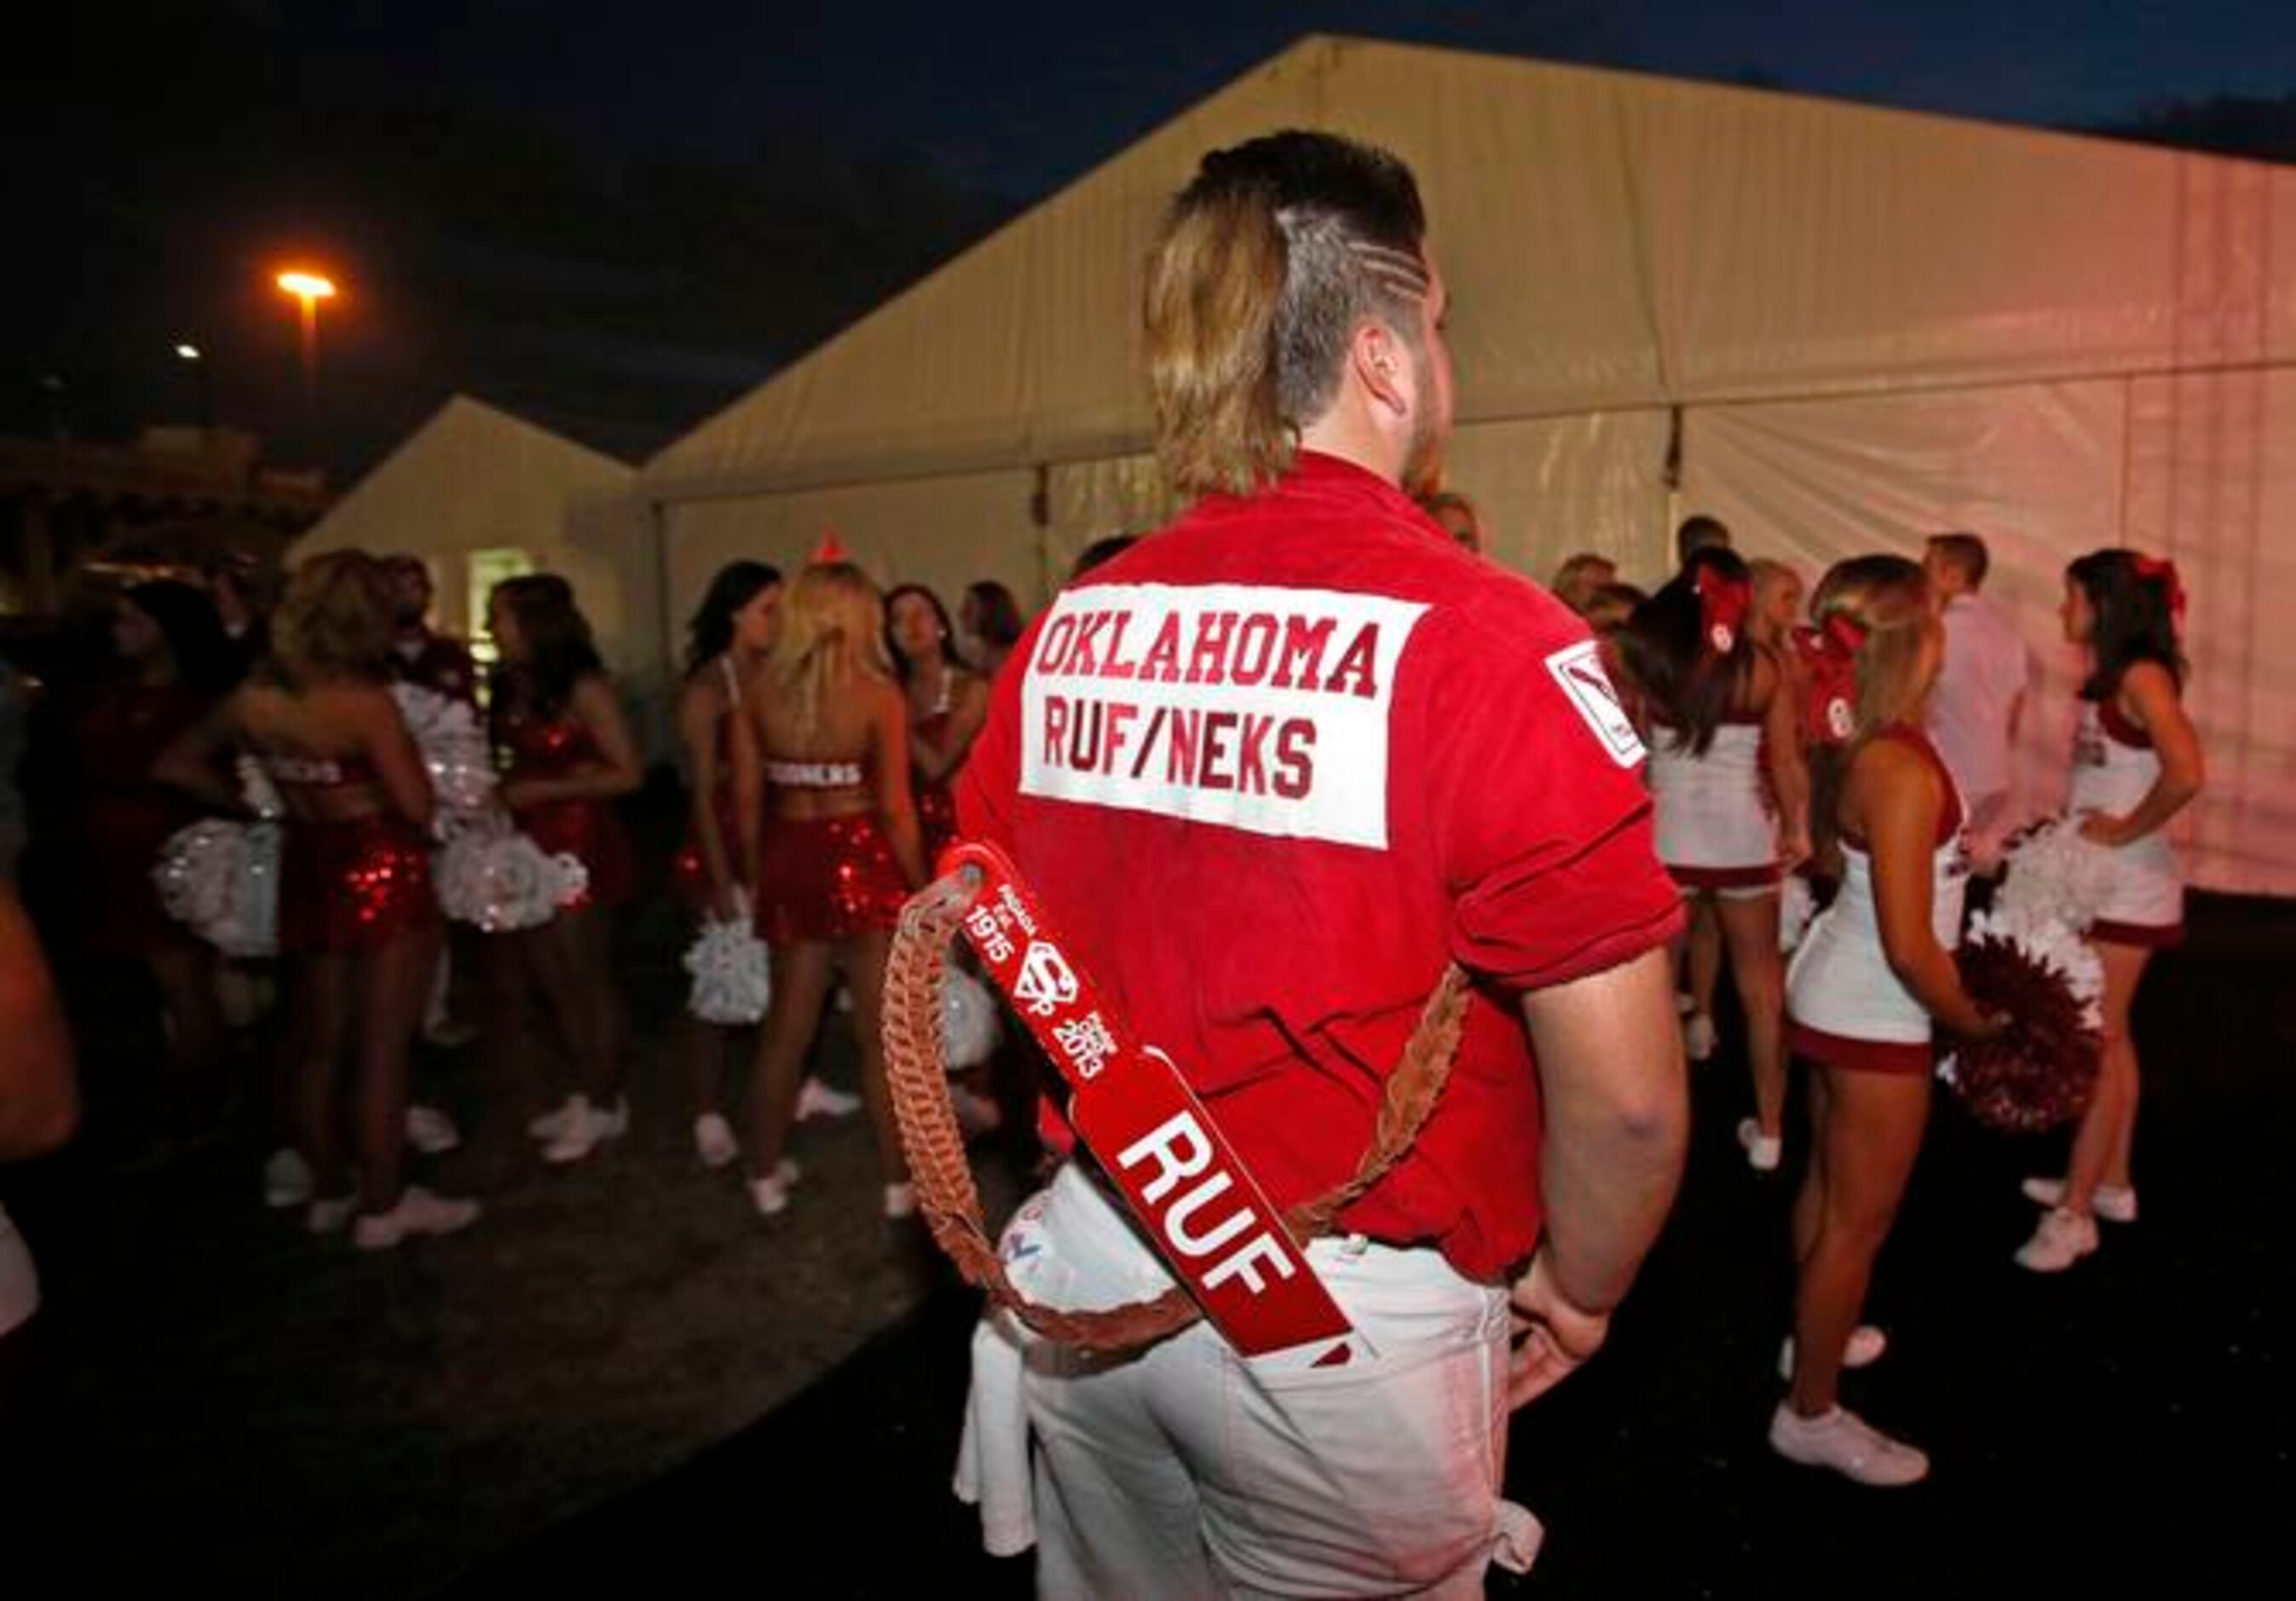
[[830, 549], [2159, 569], [1828, 656], [1723, 602]]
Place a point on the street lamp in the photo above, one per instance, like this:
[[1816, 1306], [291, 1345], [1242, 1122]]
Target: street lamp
[[193, 358], [309, 289]]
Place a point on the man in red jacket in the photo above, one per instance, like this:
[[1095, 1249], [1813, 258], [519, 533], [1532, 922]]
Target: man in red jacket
[[1270, 771]]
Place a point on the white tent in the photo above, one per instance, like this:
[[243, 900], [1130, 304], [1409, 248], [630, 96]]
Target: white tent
[[479, 494], [1839, 328]]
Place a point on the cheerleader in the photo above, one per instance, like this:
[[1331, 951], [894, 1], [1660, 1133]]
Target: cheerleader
[[358, 920], [838, 851], [566, 755], [179, 665], [947, 703], [1731, 794], [727, 639], [1868, 979], [2136, 764]]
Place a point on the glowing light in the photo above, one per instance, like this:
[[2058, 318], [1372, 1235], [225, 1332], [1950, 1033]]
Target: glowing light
[[306, 286], [188, 352]]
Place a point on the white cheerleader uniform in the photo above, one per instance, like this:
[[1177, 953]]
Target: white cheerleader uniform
[[2114, 767], [1845, 1008], [1715, 830]]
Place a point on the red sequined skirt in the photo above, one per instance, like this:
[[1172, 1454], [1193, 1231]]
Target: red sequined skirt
[[589, 832], [353, 884], [827, 878]]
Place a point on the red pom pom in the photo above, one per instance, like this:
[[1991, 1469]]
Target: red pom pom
[[2040, 1072]]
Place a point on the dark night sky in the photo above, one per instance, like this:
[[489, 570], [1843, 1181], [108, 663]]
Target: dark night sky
[[616, 218]]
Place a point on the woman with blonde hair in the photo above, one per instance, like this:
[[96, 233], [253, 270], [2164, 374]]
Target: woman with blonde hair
[[1870, 979], [834, 851], [358, 920]]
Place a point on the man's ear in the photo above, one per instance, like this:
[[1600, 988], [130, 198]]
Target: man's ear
[[1382, 364]]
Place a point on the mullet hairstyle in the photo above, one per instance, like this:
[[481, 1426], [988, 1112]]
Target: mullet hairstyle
[[1267, 263], [1664, 648], [2135, 619], [336, 621], [833, 628], [1887, 598]]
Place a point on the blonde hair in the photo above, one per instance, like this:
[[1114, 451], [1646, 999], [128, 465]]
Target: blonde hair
[[833, 627], [1268, 262], [334, 620], [1887, 598]]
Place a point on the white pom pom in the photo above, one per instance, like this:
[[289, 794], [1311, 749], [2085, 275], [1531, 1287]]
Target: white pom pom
[[968, 1019], [221, 880], [2056, 876], [491, 875], [732, 976], [454, 749]]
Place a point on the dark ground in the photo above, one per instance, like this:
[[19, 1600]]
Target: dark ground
[[623, 1383]]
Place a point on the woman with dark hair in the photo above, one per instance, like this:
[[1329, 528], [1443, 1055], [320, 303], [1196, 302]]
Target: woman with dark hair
[[838, 851], [1732, 796], [567, 755], [179, 664], [993, 623], [2136, 764], [1870, 978], [947, 703], [357, 919], [727, 639]]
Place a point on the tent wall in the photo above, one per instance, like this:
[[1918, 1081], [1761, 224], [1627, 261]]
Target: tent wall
[[2045, 472]]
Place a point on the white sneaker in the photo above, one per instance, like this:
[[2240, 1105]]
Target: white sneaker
[[286, 1180], [1762, 1150], [714, 1141], [1847, 1443], [554, 1122], [2113, 1202], [2062, 1239], [324, 1216], [430, 1130], [771, 1194], [1698, 1037], [817, 1099], [591, 1128], [418, 1212], [1865, 1347], [900, 1201]]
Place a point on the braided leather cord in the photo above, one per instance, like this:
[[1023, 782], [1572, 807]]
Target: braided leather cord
[[917, 1078]]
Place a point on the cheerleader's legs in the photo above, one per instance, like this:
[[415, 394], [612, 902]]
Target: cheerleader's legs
[[863, 958], [2108, 1129], [1866, 1132], [569, 959], [321, 1021], [394, 985], [1750, 929], [186, 977], [801, 973], [1702, 955]]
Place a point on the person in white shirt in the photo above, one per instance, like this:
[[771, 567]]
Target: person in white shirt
[[1980, 693]]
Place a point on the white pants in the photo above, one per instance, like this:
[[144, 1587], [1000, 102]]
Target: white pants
[[1184, 1471]]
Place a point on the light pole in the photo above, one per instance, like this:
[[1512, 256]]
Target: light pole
[[192, 356], [309, 289]]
